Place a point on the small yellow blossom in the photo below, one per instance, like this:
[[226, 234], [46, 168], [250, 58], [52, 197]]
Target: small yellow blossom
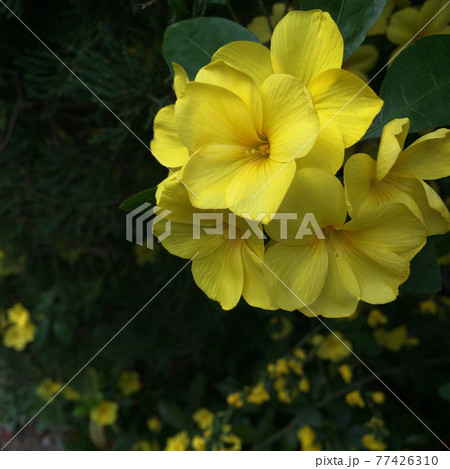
[[234, 441], [178, 442], [258, 395], [307, 438], [260, 27], [378, 397], [334, 347], [370, 442], [104, 413], [17, 337], [354, 398], [295, 366], [235, 400], [375, 424], [48, 388], [18, 315], [299, 353], [144, 445], [198, 443], [304, 385], [285, 329], [376, 318], [71, 394], [154, 424], [129, 382], [428, 307], [203, 418], [346, 372], [395, 339]]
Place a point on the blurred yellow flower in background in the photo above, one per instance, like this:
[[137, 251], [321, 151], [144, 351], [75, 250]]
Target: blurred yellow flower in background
[[233, 442], [346, 372], [104, 413], [154, 424], [203, 418], [380, 25], [178, 442], [235, 400], [378, 397], [260, 27], [198, 443], [304, 385], [258, 395], [285, 330], [47, 388], [71, 394], [145, 445], [307, 437], [354, 398], [394, 339], [334, 347], [19, 330], [398, 175], [129, 382], [370, 442], [428, 307], [376, 318]]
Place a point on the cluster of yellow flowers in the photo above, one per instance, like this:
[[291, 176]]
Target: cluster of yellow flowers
[[260, 133], [18, 329]]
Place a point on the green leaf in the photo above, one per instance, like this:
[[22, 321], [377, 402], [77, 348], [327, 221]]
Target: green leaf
[[417, 85], [41, 333], [425, 275], [62, 332], [138, 199], [172, 414], [192, 43], [353, 17]]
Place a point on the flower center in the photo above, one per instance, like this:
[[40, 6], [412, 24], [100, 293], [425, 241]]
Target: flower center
[[328, 229], [261, 150]]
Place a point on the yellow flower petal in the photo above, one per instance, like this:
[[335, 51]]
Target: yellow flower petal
[[392, 140], [220, 74], [248, 57], [290, 122], [208, 114], [300, 273], [180, 79], [403, 25], [437, 9], [166, 145], [346, 100], [328, 150], [244, 194], [433, 210], [340, 294], [427, 158], [306, 43], [221, 275]]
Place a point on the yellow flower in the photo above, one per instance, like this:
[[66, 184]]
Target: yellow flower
[[295, 366], [395, 339], [354, 398], [346, 372], [235, 400], [71, 394], [299, 353], [260, 27], [129, 382], [398, 175], [307, 437], [17, 337], [198, 443], [203, 418], [362, 61], [18, 315], [258, 395], [234, 442], [308, 45], [334, 347], [225, 265], [154, 424], [375, 424], [144, 445], [370, 442], [304, 385], [104, 413], [428, 307], [48, 388], [286, 328], [281, 367], [178, 442], [380, 25], [376, 318], [406, 23], [378, 397], [366, 258]]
